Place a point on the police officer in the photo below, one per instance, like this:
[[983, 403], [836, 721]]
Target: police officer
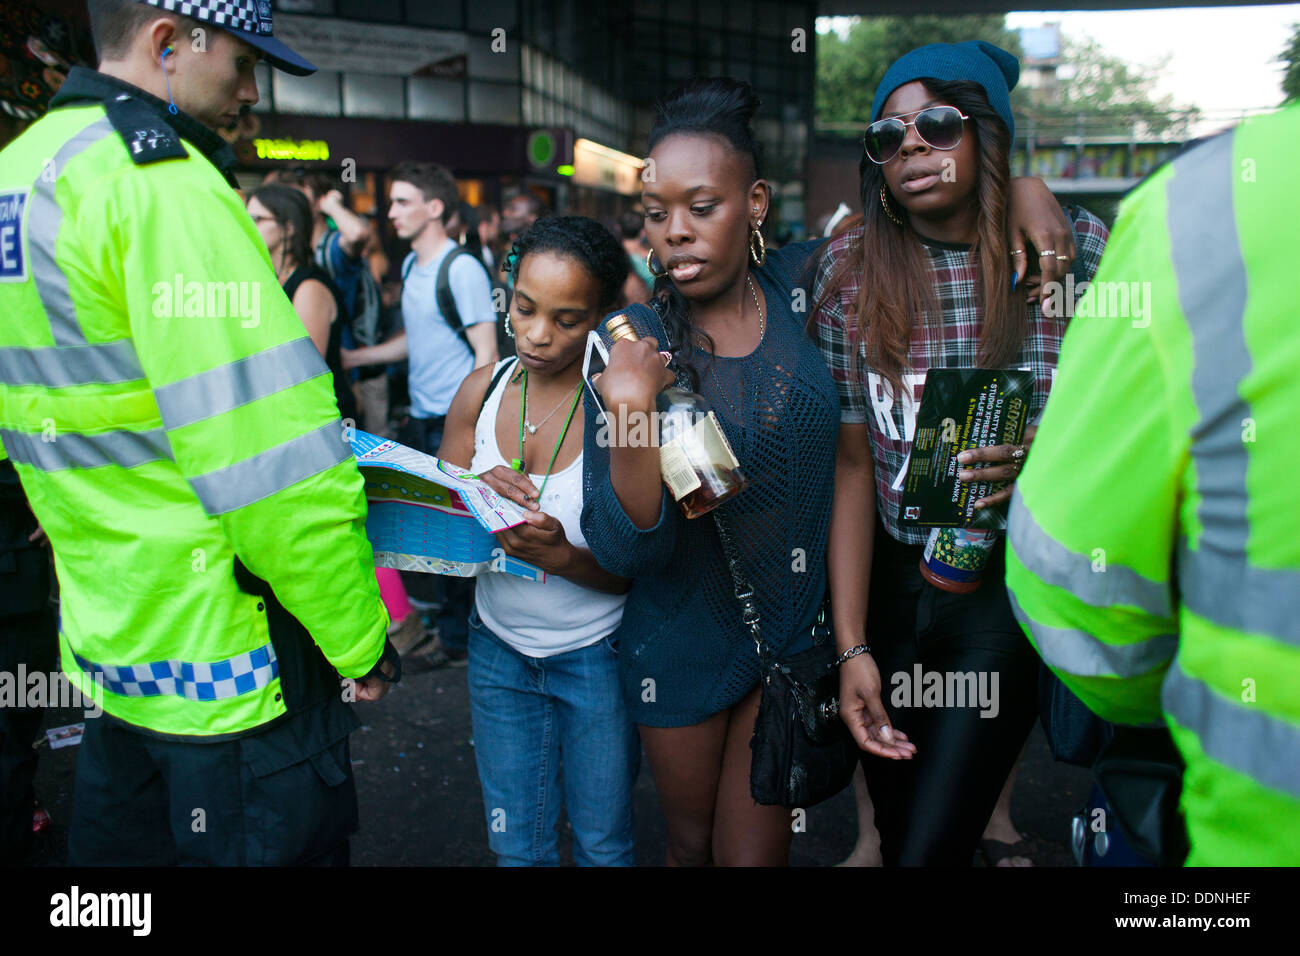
[[1158, 573], [177, 436]]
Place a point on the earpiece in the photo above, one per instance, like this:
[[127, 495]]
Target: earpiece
[[162, 62]]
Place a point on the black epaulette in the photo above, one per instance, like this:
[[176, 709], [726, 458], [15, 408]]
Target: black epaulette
[[148, 139]]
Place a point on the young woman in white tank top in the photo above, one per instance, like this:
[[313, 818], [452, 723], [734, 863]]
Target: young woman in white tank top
[[543, 674]]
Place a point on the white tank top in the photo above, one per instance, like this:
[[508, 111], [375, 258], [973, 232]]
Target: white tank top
[[554, 616]]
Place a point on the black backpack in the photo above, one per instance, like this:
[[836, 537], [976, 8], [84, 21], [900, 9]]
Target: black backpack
[[442, 287], [365, 311]]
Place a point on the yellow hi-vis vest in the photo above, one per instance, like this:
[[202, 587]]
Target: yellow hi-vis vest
[[1154, 538], [167, 414]]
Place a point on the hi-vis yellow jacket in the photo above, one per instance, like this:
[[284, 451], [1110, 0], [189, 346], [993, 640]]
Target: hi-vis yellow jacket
[[1154, 538], [168, 415]]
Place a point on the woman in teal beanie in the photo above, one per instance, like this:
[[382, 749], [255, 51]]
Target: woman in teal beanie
[[930, 281]]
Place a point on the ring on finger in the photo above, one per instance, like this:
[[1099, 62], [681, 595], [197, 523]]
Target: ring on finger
[[1017, 252], [1047, 252]]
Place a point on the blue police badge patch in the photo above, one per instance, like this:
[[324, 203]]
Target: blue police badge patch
[[13, 264]]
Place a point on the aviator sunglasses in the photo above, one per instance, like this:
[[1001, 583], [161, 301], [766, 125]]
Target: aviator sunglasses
[[938, 126]]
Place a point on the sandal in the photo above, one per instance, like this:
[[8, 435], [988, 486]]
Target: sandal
[[995, 851], [430, 654]]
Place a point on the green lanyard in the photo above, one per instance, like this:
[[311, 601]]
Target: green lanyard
[[518, 463]]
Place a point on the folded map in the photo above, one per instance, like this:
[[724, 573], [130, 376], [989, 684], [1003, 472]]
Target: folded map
[[428, 515]]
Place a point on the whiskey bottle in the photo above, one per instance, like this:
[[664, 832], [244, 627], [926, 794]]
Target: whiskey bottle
[[695, 459]]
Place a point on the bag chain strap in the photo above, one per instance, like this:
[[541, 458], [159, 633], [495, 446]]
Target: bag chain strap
[[743, 589]]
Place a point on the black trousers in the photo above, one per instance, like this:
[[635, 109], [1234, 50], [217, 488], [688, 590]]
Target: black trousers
[[282, 797], [932, 810], [31, 640]]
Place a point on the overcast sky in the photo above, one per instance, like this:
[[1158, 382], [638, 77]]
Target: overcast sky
[[1221, 58]]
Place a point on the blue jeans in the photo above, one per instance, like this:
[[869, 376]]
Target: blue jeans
[[529, 715]]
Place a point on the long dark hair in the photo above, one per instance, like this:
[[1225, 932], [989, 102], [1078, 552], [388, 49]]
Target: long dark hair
[[896, 290], [292, 213], [714, 106], [583, 240]]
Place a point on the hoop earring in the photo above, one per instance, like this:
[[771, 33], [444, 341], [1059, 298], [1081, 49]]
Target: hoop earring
[[650, 264], [760, 256], [884, 201], [509, 331]]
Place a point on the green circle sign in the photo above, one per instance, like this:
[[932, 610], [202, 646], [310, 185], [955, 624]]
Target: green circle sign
[[541, 148]]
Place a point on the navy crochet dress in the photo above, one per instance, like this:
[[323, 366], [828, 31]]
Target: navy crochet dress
[[683, 653]]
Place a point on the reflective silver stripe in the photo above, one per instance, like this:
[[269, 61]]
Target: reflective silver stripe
[[1227, 591], [1077, 652], [56, 366], [70, 450], [229, 386], [1237, 735], [273, 470], [44, 219], [1216, 581], [1054, 564]]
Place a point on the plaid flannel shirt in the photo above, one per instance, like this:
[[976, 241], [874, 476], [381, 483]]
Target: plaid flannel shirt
[[950, 340]]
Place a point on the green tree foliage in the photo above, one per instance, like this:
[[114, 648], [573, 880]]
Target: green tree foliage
[[1290, 58], [1099, 95], [1104, 95], [848, 72]]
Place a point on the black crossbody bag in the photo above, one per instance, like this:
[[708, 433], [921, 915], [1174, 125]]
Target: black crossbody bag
[[802, 751]]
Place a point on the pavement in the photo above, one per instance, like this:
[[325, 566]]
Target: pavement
[[421, 805]]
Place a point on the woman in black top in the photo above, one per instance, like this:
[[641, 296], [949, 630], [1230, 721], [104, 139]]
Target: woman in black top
[[283, 217]]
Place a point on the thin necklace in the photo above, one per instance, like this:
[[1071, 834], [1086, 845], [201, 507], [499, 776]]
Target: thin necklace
[[523, 399], [518, 463], [762, 328]]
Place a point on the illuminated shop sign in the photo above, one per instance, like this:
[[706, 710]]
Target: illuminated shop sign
[[299, 149], [597, 165]]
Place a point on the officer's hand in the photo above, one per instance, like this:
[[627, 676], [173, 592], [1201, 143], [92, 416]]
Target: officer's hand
[[374, 688]]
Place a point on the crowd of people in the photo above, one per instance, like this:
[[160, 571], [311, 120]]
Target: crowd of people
[[811, 356]]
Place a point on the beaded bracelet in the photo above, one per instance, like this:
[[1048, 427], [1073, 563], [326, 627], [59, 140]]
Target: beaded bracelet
[[851, 653]]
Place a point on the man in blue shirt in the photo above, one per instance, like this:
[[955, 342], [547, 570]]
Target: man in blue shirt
[[422, 198]]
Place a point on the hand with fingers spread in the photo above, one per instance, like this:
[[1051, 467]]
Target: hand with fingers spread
[[1036, 227], [999, 463], [863, 712]]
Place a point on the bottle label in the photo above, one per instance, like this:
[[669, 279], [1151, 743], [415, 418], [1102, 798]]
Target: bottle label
[[675, 466], [702, 448], [959, 554]]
